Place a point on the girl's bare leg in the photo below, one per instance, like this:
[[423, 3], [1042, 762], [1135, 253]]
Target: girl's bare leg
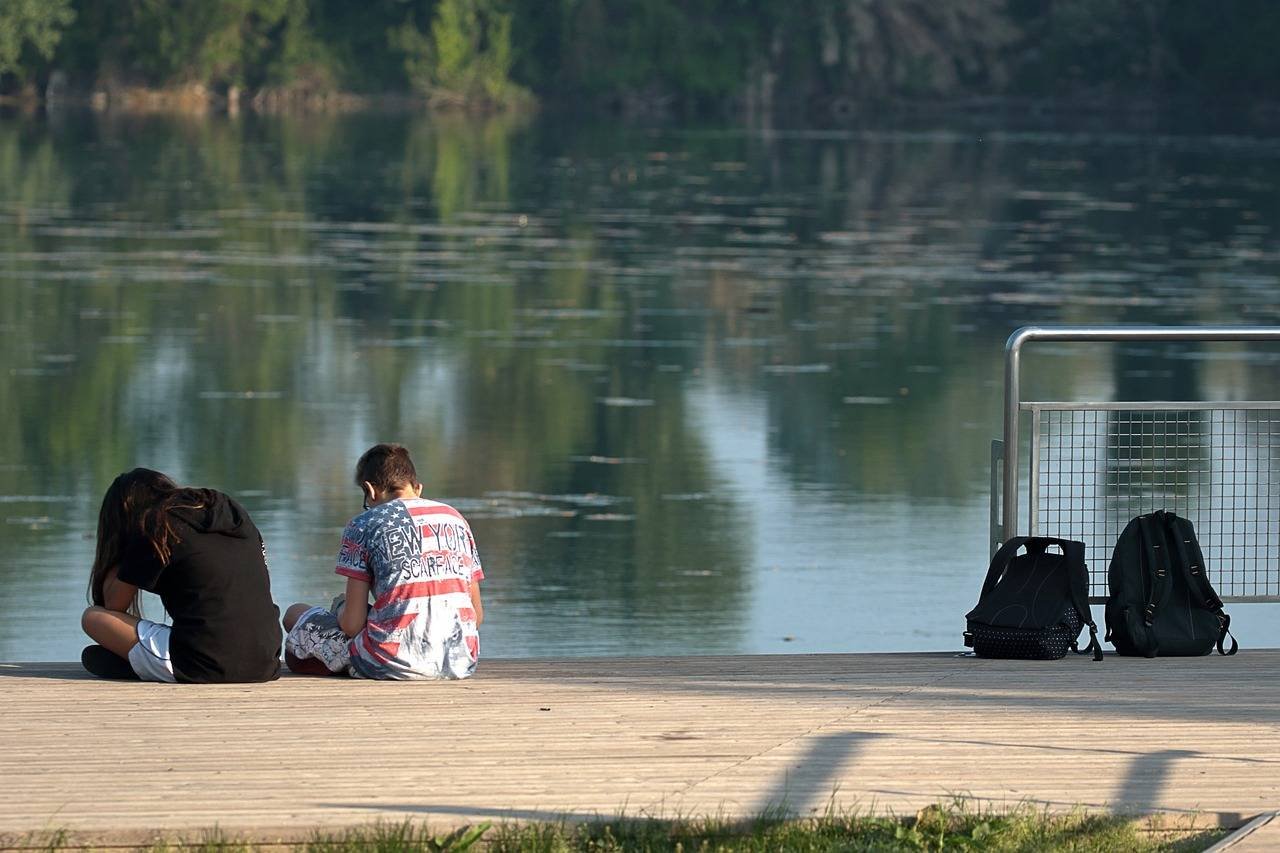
[[111, 629]]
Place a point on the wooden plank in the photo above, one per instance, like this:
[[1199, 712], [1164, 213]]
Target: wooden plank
[[1260, 835], [542, 739]]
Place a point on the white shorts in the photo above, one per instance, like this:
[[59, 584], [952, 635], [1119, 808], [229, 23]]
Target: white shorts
[[150, 657]]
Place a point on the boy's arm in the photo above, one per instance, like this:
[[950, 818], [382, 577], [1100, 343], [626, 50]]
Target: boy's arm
[[475, 601], [116, 594], [355, 611]]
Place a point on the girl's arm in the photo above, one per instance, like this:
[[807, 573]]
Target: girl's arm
[[116, 594], [355, 610]]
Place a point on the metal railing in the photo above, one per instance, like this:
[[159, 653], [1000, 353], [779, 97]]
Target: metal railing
[[1094, 465]]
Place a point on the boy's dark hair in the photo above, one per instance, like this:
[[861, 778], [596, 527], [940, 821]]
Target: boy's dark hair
[[386, 467]]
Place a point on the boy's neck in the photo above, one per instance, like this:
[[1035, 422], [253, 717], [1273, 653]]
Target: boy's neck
[[402, 493]]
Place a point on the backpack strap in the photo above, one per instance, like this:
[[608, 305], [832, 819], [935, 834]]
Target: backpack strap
[[1226, 632], [1156, 564], [1042, 543], [1001, 561], [1183, 538], [1074, 555], [1191, 559]]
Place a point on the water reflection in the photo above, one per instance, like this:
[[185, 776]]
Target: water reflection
[[695, 389]]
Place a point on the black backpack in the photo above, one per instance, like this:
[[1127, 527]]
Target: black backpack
[[1160, 601], [1033, 605]]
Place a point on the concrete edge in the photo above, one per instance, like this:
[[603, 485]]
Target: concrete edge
[[1243, 832]]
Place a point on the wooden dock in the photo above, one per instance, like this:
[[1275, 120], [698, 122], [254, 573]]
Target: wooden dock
[[544, 739]]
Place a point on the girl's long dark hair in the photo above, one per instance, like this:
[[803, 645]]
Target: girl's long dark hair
[[137, 505]]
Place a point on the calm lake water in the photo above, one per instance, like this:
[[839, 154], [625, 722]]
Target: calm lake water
[[698, 391]]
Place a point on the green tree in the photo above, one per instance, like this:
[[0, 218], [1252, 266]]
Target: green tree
[[31, 27], [221, 42], [467, 58]]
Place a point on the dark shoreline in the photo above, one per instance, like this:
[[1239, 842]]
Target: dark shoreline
[[1135, 112]]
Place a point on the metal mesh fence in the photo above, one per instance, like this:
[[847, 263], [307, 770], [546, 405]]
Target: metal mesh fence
[[1095, 466]]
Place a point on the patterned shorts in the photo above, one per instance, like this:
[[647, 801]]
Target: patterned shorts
[[317, 635]]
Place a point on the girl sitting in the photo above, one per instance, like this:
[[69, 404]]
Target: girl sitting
[[201, 553]]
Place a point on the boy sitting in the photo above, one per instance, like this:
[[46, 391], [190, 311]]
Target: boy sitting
[[419, 559]]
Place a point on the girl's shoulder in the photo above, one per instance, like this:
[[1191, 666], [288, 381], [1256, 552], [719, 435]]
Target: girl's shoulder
[[211, 511]]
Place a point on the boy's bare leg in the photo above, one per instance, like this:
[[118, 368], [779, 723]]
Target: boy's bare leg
[[293, 614], [111, 629]]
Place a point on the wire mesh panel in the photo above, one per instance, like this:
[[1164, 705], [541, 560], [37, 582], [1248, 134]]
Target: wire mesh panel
[[1094, 466]]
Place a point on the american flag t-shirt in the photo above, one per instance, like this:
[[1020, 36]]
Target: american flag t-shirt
[[420, 559]]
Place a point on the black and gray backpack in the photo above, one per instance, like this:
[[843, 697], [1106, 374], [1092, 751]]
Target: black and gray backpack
[[1034, 604], [1160, 601]]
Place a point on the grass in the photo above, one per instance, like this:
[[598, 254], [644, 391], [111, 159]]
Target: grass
[[954, 827], [938, 828]]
